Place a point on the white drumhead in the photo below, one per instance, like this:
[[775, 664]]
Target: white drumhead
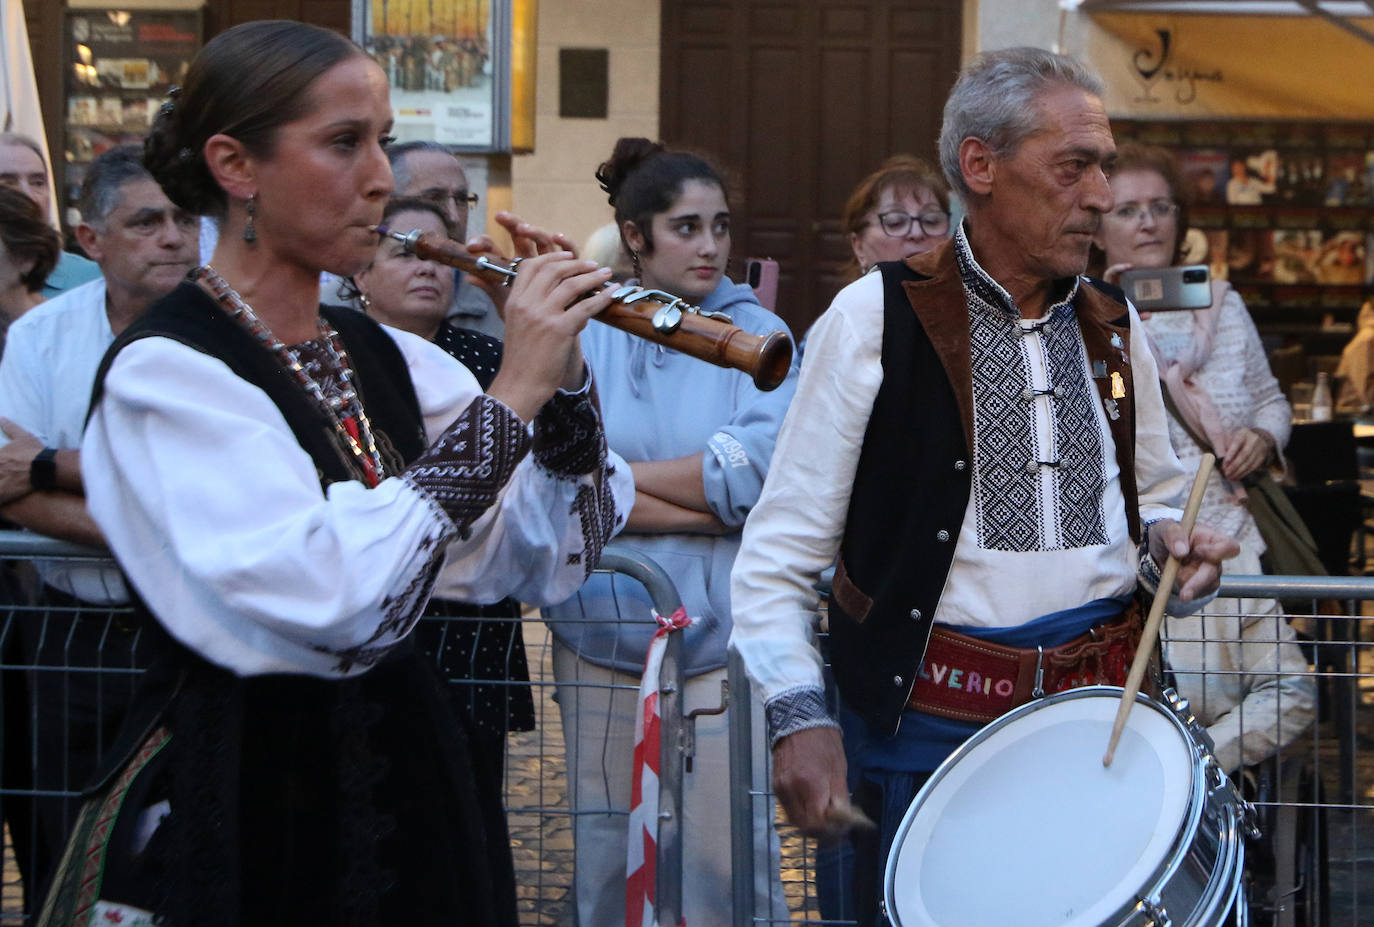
[[1026, 826]]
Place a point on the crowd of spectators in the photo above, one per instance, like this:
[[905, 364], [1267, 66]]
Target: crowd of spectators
[[698, 441]]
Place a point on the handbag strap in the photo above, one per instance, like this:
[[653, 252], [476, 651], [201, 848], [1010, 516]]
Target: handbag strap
[[1198, 439], [1275, 501]]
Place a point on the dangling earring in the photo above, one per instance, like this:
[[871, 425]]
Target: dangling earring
[[250, 234], [634, 259], [365, 302]]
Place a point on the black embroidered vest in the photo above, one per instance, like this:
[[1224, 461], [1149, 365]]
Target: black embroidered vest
[[915, 476]]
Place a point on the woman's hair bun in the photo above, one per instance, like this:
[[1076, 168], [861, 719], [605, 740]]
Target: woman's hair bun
[[181, 172], [629, 153], [246, 82]]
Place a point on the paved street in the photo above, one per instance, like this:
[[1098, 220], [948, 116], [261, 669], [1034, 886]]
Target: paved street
[[541, 832]]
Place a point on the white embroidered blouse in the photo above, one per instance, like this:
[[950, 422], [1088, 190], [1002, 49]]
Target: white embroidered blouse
[[217, 516]]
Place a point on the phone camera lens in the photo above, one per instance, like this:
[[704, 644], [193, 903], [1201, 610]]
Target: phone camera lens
[[1195, 276]]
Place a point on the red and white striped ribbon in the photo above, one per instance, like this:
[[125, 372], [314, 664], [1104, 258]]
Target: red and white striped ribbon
[[640, 870]]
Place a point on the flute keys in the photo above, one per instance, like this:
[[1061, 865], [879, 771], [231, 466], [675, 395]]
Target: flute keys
[[667, 319]]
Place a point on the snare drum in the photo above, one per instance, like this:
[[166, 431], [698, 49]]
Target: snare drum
[[1023, 825]]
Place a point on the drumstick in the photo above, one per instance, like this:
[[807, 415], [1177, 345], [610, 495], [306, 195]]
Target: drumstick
[[1166, 585], [844, 817]]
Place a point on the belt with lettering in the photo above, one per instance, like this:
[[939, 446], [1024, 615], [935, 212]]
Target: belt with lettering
[[967, 679]]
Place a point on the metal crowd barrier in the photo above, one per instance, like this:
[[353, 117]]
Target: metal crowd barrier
[[41, 651], [1316, 796]]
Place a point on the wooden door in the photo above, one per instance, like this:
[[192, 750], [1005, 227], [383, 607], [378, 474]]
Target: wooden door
[[798, 100]]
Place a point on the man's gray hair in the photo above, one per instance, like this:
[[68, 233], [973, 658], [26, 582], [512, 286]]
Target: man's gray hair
[[24, 141], [397, 154], [994, 100], [105, 179]]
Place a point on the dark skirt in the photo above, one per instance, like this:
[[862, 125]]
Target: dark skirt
[[290, 799]]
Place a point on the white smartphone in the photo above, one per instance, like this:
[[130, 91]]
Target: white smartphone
[[1163, 289]]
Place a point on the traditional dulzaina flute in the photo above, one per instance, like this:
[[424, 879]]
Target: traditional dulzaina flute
[[652, 314]]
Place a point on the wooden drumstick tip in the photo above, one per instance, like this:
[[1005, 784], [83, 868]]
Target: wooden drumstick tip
[[1161, 598], [844, 817]]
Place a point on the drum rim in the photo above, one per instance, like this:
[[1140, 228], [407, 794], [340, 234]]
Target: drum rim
[[1172, 860]]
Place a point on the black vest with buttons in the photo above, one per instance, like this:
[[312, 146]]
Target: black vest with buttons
[[913, 482]]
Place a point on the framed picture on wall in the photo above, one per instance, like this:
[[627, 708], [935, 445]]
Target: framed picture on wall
[[119, 65], [453, 67]]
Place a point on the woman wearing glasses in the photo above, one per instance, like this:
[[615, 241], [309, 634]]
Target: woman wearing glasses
[[899, 210], [1221, 392]]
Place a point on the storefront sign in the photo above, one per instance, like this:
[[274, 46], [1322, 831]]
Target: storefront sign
[[1192, 67]]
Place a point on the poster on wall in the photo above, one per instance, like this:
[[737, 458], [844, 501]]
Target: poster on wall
[[445, 63]]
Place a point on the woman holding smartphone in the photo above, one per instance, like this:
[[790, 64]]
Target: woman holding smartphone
[[1239, 668]]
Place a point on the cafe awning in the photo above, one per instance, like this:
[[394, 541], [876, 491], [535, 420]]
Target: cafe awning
[[1207, 59], [1339, 13]]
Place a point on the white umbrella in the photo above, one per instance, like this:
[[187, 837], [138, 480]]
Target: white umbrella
[[19, 109]]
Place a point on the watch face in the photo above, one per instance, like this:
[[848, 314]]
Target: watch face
[[43, 470]]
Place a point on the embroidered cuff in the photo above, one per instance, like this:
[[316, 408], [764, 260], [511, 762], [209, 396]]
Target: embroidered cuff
[[466, 468], [595, 508], [1149, 574], [796, 710], [568, 438], [1147, 569]]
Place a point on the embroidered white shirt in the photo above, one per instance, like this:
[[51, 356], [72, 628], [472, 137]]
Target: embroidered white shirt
[[216, 513], [46, 375], [794, 531]]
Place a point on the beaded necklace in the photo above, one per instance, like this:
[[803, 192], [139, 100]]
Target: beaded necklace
[[344, 410]]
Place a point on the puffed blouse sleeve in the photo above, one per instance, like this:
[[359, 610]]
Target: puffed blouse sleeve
[[217, 515]]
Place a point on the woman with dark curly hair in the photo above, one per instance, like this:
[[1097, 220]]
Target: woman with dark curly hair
[[284, 485], [29, 249]]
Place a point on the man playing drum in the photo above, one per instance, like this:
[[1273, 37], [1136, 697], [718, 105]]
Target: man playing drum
[[979, 434]]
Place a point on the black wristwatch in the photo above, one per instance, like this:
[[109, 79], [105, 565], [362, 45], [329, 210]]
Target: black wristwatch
[[43, 470]]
